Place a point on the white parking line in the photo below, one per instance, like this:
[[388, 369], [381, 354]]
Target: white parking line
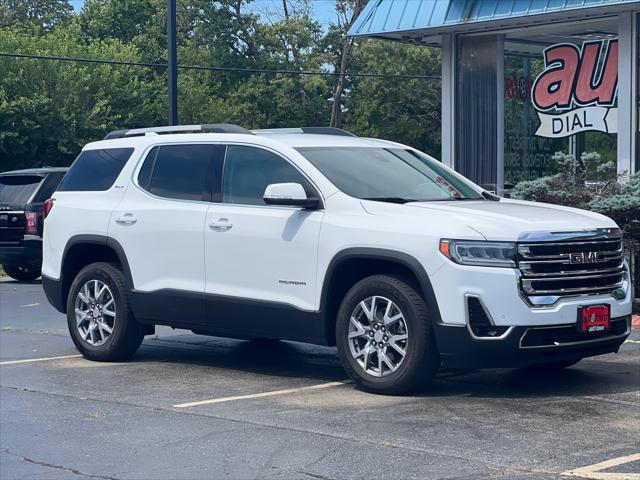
[[595, 472], [632, 341], [260, 395], [31, 360]]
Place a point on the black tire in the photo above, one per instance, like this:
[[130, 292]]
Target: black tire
[[22, 273], [422, 359], [554, 365], [127, 335]]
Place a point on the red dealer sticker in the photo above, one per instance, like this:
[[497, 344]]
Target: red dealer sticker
[[595, 318]]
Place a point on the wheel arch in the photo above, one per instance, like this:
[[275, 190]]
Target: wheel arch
[[84, 249], [353, 264]]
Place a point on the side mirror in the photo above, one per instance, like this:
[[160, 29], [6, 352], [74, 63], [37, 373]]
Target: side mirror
[[289, 194]]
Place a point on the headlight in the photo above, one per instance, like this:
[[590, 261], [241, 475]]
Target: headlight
[[480, 253]]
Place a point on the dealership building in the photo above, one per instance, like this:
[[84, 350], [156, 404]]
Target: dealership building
[[523, 79]]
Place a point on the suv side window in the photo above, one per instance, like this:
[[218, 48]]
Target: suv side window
[[95, 170], [184, 172], [248, 171]]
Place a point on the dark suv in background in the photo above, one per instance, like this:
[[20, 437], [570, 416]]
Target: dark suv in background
[[23, 206]]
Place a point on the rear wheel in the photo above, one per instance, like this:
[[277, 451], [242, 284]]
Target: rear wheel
[[22, 273], [99, 314], [385, 337]]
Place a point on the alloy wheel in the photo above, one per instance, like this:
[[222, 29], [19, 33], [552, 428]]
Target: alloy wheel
[[95, 311], [378, 336]]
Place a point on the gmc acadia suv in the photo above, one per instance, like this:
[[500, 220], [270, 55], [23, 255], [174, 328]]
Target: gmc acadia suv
[[23, 201], [318, 236]]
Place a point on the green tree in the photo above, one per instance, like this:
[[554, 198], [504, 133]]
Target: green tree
[[405, 110], [43, 15], [49, 110], [124, 21]]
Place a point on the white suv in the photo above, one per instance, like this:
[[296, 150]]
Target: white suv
[[316, 235]]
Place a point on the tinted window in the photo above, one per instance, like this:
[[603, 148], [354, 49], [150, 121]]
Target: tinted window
[[185, 172], [48, 186], [18, 188], [95, 170], [249, 170], [388, 173], [144, 177]]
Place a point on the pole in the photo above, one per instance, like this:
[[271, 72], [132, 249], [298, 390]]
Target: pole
[[172, 70], [500, 115]]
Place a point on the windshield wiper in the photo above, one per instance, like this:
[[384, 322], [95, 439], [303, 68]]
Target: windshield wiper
[[392, 199]]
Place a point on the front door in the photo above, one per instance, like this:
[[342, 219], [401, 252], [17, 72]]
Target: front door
[[260, 260]]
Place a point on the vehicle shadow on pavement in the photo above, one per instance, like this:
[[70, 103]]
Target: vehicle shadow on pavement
[[259, 356], [280, 358], [591, 377]]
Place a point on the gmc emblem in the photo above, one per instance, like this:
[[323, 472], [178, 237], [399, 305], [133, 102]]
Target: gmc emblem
[[586, 257]]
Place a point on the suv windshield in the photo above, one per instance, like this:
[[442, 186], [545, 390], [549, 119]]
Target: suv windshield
[[18, 188], [388, 174]]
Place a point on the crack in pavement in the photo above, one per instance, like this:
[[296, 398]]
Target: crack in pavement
[[56, 467], [491, 467]]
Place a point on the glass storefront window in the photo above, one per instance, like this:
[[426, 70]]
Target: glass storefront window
[[560, 96], [526, 156]]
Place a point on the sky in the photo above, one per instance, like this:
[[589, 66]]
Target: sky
[[324, 10]]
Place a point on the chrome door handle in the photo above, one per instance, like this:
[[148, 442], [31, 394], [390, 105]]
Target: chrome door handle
[[221, 225], [126, 219]]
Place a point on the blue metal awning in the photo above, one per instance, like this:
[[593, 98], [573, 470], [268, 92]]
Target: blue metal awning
[[433, 17]]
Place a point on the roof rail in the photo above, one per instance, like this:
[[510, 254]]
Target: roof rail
[[315, 130], [204, 128]]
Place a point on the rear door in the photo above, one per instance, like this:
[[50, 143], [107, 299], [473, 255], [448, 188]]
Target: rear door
[[160, 224]]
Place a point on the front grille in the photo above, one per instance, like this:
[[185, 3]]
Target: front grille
[[567, 334], [572, 267]]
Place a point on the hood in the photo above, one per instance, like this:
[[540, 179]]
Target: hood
[[504, 220]]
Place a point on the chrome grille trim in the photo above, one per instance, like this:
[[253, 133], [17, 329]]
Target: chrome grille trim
[[524, 251], [546, 269], [574, 272]]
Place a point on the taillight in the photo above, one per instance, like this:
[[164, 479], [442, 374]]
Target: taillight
[[48, 205], [32, 223]]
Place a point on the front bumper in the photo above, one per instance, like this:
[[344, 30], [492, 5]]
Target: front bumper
[[26, 252], [526, 345]]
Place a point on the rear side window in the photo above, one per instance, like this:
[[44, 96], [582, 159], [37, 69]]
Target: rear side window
[[95, 170], [48, 186], [18, 188], [183, 172]]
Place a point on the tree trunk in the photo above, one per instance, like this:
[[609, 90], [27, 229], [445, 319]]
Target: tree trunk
[[336, 109], [345, 59]]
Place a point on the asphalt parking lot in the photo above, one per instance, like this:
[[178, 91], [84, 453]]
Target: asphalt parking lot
[[189, 406]]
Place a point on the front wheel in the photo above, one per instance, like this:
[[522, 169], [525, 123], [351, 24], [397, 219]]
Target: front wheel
[[22, 273], [385, 336], [99, 314]]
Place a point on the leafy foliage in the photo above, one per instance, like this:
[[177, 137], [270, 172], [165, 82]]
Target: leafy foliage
[[623, 207], [576, 182], [35, 15], [50, 109], [588, 183]]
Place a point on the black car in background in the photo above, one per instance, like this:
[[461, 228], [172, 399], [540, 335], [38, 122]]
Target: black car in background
[[23, 194]]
